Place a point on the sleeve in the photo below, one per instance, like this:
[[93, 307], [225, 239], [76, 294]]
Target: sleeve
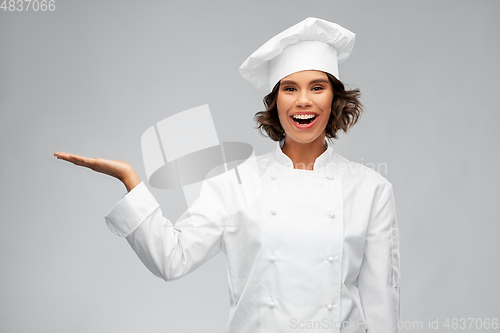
[[171, 252], [379, 277]]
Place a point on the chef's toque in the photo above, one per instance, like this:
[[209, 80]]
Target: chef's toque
[[313, 44]]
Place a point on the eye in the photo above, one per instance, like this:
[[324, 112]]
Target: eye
[[289, 89], [317, 88]]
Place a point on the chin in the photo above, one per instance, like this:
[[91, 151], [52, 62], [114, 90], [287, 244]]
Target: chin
[[304, 138]]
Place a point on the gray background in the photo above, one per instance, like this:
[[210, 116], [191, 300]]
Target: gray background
[[92, 76]]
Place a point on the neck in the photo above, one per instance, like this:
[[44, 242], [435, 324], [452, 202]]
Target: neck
[[303, 155]]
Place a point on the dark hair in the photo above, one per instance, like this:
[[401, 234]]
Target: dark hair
[[346, 110]]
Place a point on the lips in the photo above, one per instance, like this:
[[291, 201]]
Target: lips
[[306, 122]]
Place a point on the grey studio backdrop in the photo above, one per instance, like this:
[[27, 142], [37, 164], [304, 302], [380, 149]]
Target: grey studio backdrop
[[90, 77]]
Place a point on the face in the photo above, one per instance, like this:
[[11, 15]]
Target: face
[[304, 105]]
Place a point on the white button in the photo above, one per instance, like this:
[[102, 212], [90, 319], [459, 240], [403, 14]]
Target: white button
[[330, 259], [273, 211], [329, 306], [331, 214], [273, 258], [329, 177], [271, 304], [273, 176]]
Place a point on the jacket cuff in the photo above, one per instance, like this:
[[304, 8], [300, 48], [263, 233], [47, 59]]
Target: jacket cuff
[[132, 209]]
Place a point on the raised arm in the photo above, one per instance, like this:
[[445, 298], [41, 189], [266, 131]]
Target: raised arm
[[168, 252]]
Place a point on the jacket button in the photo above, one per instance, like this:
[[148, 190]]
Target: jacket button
[[329, 177], [271, 304], [330, 259], [272, 258], [331, 214], [329, 306], [273, 176], [273, 212]]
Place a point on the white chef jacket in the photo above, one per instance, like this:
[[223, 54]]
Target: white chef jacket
[[317, 252]]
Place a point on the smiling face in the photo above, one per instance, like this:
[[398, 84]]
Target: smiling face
[[304, 105]]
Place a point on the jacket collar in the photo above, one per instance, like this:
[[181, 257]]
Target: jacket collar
[[322, 161]]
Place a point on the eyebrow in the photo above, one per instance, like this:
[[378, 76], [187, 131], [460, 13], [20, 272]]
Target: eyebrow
[[312, 82]]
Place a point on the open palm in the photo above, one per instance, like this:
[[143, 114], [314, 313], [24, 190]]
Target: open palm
[[121, 170]]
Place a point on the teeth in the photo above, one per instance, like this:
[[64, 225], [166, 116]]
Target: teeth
[[303, 116]]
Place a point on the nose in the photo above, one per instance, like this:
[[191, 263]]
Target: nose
[[303, 99]]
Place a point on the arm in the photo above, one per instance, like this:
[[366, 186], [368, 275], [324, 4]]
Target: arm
[[379, 277], [171, 252], [167, 252]]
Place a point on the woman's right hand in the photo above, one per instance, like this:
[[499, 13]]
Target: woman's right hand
[[119, 169]]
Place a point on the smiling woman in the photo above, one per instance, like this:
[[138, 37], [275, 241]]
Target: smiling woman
[[304, 101], [320, 244], [346, 109]]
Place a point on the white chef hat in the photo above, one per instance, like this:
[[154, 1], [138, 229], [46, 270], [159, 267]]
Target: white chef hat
[[313, 44]]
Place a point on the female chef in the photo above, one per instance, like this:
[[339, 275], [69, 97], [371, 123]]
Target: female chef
[[318, 251]]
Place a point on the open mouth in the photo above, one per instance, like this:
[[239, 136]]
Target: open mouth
[[304, 119]]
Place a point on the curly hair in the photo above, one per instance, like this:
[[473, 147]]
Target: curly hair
[[346, 111]]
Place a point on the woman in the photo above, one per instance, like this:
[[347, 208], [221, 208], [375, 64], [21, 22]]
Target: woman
[[319, 249]]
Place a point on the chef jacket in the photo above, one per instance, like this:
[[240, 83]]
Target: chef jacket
[[318, 251]]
